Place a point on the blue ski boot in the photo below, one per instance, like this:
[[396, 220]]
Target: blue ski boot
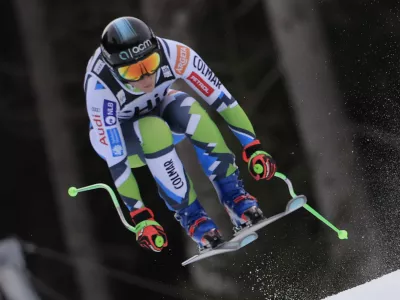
[[241, 206], [199, 226]]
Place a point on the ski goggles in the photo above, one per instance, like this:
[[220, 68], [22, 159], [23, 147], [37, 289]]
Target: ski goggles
[[136, 71]]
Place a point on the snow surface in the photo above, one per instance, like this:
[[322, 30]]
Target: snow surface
[[383, 288]]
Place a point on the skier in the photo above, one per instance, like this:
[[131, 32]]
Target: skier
[[136, 119]]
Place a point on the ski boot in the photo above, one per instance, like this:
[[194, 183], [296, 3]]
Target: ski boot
[[242, 207], [199, 226]]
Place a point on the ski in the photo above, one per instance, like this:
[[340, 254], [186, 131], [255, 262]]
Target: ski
[[248, 234]]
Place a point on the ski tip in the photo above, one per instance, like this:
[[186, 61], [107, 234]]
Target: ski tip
[[343, 235], [186, 262]]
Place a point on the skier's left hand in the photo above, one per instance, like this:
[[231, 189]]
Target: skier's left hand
[[261, 165]]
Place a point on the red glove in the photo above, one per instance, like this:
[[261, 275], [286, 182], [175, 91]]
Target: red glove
[[261, 165], [150, 234]]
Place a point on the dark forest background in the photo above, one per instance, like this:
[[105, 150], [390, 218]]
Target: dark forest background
[[319, 80]]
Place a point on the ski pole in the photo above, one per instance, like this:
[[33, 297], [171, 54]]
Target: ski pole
[[73, 191], [342, 234]]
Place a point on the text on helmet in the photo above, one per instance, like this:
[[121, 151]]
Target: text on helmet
[[130, 53]]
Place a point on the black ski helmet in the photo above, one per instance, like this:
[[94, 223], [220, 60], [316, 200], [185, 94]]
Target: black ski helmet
[[127, 40]]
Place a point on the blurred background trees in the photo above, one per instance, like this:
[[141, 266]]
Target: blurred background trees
[[317, 78]]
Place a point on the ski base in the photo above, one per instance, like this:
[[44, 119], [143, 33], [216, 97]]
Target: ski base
[[248, 234]]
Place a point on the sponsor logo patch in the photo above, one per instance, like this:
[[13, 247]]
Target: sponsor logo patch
[[182, 60], [173, 174], [115, 142], [200, 84], [166, 71], [99, 66], [100, 129], [200, 65], [109, 113]]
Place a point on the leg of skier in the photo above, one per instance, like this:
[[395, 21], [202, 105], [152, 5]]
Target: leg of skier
[[149, 230], [150, 141], [185, 116], [174, 184]]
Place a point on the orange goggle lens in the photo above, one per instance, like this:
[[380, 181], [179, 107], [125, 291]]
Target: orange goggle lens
[[135, 71]]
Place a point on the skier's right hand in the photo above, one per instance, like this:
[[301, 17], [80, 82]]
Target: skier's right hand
[[150, 234]]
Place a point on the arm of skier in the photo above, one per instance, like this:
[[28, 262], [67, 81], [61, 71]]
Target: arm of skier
[[189, 66], [102, 109]]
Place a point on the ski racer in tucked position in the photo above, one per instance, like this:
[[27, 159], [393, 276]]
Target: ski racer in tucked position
[[136, 119]]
